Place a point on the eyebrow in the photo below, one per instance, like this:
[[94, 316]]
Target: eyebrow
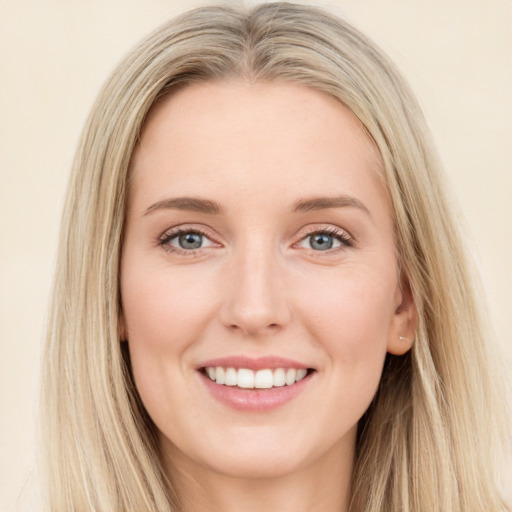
[[324, 203], [191, 204], [196, 204]]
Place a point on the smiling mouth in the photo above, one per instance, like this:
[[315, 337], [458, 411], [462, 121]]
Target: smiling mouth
[[245, 378]]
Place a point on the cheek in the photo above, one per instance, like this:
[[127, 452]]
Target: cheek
[[351, 318], [353, 305], [164, 315], [164, 310]]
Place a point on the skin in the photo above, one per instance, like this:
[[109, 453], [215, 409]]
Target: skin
[[259, 287]]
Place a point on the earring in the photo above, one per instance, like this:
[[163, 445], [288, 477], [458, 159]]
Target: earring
[[403, 338]]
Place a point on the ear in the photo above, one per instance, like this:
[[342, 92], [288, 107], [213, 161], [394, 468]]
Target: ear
[[404, 322]]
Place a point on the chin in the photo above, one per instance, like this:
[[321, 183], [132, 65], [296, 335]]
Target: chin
[[260, 465], [267, 454]]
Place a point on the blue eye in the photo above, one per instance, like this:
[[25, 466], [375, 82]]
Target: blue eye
[[321, 241], [190, 240], [325, 240], [185, 240]]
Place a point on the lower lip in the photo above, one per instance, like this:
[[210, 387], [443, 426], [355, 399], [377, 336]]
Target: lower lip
[[255, 400]]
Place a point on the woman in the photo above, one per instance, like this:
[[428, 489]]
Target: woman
[[262, 302]]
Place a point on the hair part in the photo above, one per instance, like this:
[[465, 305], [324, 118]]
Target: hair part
[[426, 442]]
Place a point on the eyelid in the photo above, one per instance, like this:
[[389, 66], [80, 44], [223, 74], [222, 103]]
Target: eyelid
[[175, 231], [342, 235], [346, 239]]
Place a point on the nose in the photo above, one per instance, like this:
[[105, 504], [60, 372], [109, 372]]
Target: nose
[[255, 300]]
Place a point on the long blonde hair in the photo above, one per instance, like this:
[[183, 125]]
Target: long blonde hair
[[429, 440]]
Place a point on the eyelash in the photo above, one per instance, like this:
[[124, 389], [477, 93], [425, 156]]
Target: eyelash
[[173, 233], [343, 237]]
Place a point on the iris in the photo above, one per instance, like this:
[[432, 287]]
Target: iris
[[190, 240], [321, 242]]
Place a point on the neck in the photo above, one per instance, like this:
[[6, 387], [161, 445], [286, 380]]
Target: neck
[[321, 486]]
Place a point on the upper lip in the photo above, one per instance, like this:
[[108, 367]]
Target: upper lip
[[258, 363]]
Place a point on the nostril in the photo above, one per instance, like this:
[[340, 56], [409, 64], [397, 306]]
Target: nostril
[[248, 329]]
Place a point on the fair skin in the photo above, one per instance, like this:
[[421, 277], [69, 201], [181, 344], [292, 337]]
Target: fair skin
[[291, 256]]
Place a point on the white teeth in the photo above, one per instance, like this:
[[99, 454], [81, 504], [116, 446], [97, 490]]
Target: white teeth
[[220, 375], [263, 379], [249, 379], [245, 378], [279, 377], [291, 374], [301, 373], [230, 378]]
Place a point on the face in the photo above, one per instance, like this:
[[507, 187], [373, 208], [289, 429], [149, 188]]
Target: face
[[259, 281]]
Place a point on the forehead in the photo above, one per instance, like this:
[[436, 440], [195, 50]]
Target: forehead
[[233, 136]]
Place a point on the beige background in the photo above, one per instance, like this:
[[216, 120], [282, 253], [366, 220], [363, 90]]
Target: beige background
[[54, 55]]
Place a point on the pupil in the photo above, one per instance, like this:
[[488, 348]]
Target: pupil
[[191, 241], [321, 242]]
